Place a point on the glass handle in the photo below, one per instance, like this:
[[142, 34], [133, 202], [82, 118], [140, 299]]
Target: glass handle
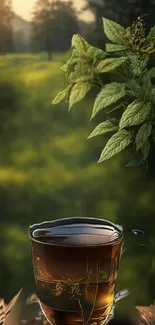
[[135, 239]]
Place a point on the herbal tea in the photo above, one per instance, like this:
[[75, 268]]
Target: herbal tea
[[77, 234], [75, 265]]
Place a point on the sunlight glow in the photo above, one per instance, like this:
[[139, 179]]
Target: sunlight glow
[[24, 8]]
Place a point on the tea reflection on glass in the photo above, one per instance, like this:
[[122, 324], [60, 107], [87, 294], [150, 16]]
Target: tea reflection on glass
[[75, 266]]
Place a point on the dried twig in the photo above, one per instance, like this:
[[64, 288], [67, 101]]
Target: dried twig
[[9, 312]]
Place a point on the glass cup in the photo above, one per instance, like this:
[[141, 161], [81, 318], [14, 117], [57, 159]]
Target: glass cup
[[76, 263]]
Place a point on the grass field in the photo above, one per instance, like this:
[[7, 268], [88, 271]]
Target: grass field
[[42, 154]]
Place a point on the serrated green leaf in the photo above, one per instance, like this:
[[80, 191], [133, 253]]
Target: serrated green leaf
[[84, 78], [135, 114], [109, 94], [75, 57], [61, 95], [134, 163], [138, 66], [118, 142], [145, 150], [81, 70], [105, 127], [151, 73], [95, 52], [135, 87], [150, 49], [142, 135], [134, 59], [64, 67], [78, 92], [147, 85], [130, 93], [151, 36], [109, 64], [153, 95], [79, 43], [111, 48], [71, 62], [114, 31], [121, 105]]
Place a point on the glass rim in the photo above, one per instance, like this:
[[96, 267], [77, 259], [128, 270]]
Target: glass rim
[[74, 220]]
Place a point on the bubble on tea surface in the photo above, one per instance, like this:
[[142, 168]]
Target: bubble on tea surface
[[77, 234]]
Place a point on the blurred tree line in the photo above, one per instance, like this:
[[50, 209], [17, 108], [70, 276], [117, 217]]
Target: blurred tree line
[[53, 24], [55, 21], [6, 33], [51, 29]]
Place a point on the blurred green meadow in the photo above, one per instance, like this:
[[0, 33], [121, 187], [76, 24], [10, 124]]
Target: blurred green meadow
[[49, 170]]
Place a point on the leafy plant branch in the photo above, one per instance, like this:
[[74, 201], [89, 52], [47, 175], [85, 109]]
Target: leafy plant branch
[[133, 91]]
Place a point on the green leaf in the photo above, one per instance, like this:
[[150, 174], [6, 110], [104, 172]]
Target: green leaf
[[95, 52], [135, 88], [121, 105], [64, 67], [151, 36], [109, 94], [61, 95], [70, 63], [105, 127], [138, 66], [85, 49], [142, 135], [114, 31], [84, 78], [79, 43], [78, 92], [75, 57], [146, 81], [116, 143], [81, 70], [109, 64], [145, 150], [151, 73], [135, 114], [115, 48], [153, 95]]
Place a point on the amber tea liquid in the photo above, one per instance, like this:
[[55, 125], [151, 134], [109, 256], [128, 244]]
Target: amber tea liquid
[[75, 267]]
